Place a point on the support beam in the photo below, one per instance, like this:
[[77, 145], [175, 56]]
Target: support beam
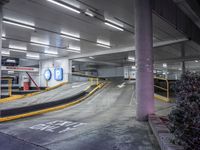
[[129, 49], [183, 55], [144, 59], [178, 59], [2, 2], [1, 17]]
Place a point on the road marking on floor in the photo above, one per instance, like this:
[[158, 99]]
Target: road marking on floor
[[121, 85], [76, 86], [132, 96], [57, 126]]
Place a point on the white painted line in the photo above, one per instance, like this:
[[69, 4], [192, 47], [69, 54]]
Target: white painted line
[[76, 86], [133, 95], [121, 85]]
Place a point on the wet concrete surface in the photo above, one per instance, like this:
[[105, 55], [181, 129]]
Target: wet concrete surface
[[105, 121]]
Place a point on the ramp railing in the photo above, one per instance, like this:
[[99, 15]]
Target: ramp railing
[[163, 89]]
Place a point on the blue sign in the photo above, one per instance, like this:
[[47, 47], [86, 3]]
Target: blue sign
[[47, 74], [58, 74]]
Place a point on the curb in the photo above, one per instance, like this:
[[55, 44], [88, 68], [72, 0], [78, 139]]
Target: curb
[[162, 133]]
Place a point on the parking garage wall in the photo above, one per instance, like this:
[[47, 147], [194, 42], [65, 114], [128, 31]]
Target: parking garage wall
[[111, 72], [51, 64]]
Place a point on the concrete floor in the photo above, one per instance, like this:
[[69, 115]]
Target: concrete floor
[[64, 91], [105, 121]]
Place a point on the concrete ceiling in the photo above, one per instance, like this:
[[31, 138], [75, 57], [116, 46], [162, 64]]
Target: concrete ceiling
[[50, 20]]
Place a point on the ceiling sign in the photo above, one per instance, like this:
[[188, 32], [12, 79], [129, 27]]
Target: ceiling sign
[[20, 69]]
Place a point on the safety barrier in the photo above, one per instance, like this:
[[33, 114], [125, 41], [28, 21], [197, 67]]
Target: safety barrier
[[64, 104], [163, 89], [18, 97], [7, 85]]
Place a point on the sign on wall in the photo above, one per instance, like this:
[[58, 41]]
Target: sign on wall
[[47, 74], [58, 74]]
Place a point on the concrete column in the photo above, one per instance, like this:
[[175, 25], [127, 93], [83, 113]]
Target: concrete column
[[1, 17], [183, 55], [144, 59]]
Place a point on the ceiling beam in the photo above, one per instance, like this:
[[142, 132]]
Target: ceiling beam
[[179, 59], [97, 62], [128, 49]]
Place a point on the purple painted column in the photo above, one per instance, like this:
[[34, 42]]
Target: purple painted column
[[144, 59]]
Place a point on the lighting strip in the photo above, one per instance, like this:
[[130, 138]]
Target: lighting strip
[[74, 51], [131, 59], [103, 45], [69, 37], [33, 55], [65, 6], [91, 57], [38, 44], [89, 13], [113, 26], [6, 53], [18, 24], [51, 52], [114, 22], [18, 47]]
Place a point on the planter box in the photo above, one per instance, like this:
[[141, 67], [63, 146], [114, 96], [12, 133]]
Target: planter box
[[162, 134]]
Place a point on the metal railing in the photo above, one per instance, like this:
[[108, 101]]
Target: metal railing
[[7, 83], [163, 89]]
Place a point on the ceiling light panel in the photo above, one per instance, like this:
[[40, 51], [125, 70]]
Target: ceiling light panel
[[19, 23], [89, 13], [5, 52], [71, 36], [114, 22], [103, 43], [18, 47], [114, 26], [132, 59], [52, 52], [65, 5], [32, 55]]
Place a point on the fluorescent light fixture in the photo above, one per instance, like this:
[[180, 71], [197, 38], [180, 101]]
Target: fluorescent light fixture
[[70, 36], [3, 34], [38, 44], [65, 6], [91, 57], [20, 51], [133, 67], [32, 55], [113, 26], [132, 59], [75, 48], [11, 61], [74, 51], [114, 22], [11, 72], [24, 48], [6, 53], [51, 52], [103, 43], [164, 65], [19, 24], [89, 13], [106, 46]]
